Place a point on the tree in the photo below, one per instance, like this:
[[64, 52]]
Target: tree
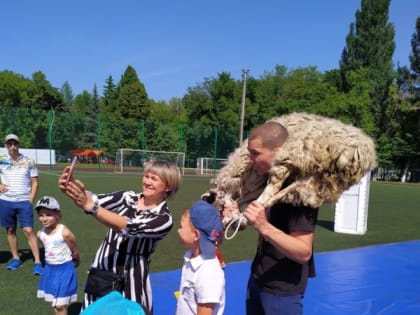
[[90, 135], [108, 100], [44, 95], [15, 90], [415, 64], [67, 95], [132, 100], [213, 104], [370, 44]]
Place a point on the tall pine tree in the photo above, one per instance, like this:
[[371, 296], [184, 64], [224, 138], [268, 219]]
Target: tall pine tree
[[370, 44]]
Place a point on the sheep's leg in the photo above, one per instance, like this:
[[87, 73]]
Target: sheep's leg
[[272, 193]]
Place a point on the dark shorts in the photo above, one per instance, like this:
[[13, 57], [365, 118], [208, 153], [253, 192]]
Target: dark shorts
[[260, 302], [13, 212]]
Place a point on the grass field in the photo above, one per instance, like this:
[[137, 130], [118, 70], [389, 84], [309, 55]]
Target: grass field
[[393, 216]]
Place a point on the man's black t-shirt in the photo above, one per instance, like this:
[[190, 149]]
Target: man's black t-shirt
[[272, 270]]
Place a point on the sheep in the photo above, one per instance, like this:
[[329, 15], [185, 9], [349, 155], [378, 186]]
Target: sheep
[[321, 158]]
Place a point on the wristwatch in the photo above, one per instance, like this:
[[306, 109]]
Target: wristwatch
[[95, 207]]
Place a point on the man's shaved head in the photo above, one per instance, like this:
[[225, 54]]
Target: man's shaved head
[[272, 134]]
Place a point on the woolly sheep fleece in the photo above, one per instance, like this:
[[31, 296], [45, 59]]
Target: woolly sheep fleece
[[321, 158]]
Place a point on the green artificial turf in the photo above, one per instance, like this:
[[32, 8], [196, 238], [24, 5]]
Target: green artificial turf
[[392, 217]]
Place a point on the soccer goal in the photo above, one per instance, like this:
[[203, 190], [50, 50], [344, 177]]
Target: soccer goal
[[131, 160], [209, 166]]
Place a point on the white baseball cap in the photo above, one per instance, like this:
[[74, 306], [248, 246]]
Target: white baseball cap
[[47, 202], [11, 137]]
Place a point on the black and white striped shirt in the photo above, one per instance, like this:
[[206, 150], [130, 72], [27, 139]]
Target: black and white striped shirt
[[130, 250]]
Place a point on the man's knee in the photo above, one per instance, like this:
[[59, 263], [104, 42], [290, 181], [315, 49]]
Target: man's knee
[[11, 230], [29, 232]]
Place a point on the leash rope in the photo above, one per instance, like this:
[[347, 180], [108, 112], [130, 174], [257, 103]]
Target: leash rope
[[238, 221]]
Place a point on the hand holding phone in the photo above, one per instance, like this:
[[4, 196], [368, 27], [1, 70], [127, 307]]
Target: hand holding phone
[[70, 173]]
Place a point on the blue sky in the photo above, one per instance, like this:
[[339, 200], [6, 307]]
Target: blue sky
[[176, 44]]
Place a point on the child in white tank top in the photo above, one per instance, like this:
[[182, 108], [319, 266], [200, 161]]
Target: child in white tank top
[[58, 282]]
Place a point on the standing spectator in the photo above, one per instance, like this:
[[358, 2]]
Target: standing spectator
[[58, 283], [136, 221], [202, 287], [18, 189]]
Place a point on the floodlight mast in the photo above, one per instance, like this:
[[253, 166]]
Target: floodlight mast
[[245, 74]]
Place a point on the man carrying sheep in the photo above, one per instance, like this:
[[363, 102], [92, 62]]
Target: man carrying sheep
[[284, 257], [275, 182]]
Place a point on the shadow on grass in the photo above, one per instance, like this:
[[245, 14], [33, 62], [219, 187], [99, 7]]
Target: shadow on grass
[[4, 257], [328, 225], [24, 255]]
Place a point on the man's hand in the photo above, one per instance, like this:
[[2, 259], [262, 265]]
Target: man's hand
[[256, 215], [3, 188]]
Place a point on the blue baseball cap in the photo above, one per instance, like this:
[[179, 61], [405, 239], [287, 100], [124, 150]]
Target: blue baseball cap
[[206, 219]]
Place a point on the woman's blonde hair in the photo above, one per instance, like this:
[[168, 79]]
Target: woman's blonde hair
[[167, 171]]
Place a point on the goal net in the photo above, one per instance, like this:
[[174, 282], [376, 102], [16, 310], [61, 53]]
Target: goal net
[[132, 160], [209, 166]]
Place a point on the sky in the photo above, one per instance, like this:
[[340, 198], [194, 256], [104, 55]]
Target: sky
[[177, 44]]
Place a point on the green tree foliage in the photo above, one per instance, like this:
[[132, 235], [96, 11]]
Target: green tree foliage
[[44, 95], [353, 107], [124, 108], [15, 90], [415, 52], [18, 91], [67, 130], [370, 44], [132, 99], [266, 93], [108, 101], [89, 139], [67, 95], [405, 126], [213, 104]]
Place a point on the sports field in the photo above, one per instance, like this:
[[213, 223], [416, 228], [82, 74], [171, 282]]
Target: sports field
[[393, 216]]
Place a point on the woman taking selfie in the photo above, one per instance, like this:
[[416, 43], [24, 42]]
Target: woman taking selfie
[[136, 221]]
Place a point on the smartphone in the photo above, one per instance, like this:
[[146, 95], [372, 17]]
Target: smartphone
[[73, 162]]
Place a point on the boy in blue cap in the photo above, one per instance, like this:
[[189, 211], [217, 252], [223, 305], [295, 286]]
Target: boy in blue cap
[[202, 287]]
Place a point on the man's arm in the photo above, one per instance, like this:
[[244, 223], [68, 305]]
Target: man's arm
[[34, 188], [297, 246]]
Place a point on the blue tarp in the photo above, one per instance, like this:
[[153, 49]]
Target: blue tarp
[[381, 279]]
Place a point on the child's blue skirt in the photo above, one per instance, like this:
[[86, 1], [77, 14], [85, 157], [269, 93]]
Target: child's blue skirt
[[58, 284]]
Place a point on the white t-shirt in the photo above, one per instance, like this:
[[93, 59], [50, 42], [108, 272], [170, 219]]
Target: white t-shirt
[[17, 175], [202, 281]]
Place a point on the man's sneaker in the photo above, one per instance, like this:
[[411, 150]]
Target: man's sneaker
[[14, 264], [38, 269]]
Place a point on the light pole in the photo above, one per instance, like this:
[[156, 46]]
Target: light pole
[[245, 74]]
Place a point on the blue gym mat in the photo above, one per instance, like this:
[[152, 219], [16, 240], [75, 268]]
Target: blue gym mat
[[382, 279]]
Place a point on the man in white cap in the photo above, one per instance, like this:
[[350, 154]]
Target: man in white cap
[[18, 189]]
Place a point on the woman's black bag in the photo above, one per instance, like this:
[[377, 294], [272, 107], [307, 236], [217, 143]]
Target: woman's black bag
[[100, 282]]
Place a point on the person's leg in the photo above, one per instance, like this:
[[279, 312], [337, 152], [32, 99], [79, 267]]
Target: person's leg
[[26, 221], [60, 310], [33, 243], [285, 305], [253, 303], [8, 216], [12, 241]]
